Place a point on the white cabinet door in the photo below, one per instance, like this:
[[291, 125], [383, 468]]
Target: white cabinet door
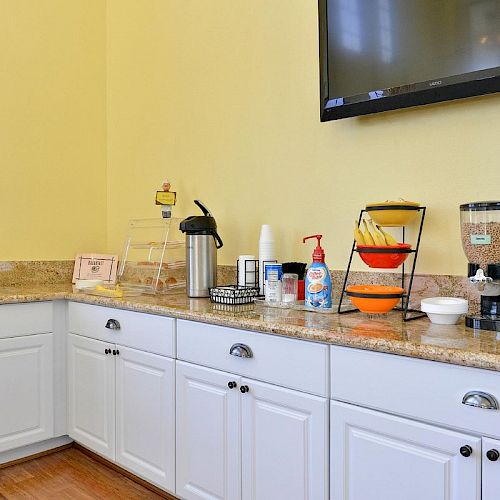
[[491, 469], [26, 390], [378, 456], [91, 394], [145, 413], [284, 444], [208, 440]]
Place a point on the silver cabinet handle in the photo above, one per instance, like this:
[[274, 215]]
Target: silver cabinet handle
[[241, 351], [480, 400], [112, 324]]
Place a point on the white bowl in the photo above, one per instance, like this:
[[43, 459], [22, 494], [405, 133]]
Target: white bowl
[[444, 310]]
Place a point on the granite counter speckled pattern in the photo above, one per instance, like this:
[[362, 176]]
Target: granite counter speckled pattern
[[15, 273], [419, 338]]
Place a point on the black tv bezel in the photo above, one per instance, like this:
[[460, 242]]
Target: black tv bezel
[[416, 94]]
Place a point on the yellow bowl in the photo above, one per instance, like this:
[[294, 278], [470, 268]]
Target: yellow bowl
[[393, 213]]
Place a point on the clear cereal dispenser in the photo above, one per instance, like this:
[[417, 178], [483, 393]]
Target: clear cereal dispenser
[[480, 222]]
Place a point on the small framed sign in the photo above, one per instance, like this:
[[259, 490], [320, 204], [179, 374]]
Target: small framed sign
[[165, 197], [90, 266]]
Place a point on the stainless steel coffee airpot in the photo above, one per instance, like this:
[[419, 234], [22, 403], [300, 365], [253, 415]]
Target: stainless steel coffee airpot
[[202, 243]]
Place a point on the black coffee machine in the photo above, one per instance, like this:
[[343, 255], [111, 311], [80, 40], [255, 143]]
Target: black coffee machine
[[480, 223]]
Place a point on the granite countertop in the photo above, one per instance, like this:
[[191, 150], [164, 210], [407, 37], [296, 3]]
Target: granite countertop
[[388, 333]]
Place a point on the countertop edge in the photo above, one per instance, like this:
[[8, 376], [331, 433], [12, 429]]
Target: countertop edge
[[336, 337]]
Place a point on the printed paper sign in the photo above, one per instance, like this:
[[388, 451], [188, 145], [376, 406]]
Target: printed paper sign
[[165, 197], [90, 266]]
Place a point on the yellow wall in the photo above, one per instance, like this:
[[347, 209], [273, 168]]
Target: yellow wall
[[223, 98], [52, 128]]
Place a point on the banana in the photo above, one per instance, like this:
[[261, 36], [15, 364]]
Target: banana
[[390, 240], [367, 235], [377, 237], [358, 235]]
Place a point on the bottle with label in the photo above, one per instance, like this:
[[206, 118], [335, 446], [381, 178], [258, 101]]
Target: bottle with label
[[273, 273], [318, 281]]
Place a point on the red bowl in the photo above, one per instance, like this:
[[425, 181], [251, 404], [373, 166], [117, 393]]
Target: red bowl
[[384, 257]]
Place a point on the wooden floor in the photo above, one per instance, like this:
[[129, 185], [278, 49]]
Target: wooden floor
[[68, 474]]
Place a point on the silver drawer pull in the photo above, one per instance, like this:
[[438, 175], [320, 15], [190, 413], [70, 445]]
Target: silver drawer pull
[[113, 324], [241, 351], [480, 400]]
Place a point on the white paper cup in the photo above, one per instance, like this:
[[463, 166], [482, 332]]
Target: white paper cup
[[266, 244], [266, 233], [267, 256]]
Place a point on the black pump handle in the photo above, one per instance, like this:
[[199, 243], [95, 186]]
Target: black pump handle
[[218, 241], [206, 213], [203, 208]]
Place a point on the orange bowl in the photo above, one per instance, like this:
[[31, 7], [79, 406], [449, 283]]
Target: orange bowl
[[374, 299], [384, 257]]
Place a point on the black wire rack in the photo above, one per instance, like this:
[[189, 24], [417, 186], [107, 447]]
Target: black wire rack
[[408, 313], [240, 294], [233, 294]]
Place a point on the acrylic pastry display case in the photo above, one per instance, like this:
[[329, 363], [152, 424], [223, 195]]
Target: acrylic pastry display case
[[154, 256]]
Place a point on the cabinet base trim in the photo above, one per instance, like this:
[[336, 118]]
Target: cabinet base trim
[[32, 451], [35, 456]]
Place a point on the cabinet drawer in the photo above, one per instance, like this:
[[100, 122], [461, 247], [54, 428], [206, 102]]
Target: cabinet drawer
[[416, 388], [146, 332], [297, 364], [17, 320]]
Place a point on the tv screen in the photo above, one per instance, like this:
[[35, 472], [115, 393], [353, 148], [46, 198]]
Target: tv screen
[[385, 54]]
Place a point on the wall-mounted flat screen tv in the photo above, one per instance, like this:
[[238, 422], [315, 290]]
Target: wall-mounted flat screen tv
[[377, 55]]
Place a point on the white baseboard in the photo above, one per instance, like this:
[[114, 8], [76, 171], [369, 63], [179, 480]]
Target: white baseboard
[[33, 449]]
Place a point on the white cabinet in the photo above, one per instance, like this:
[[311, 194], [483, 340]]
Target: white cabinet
[[91, 394], [415, 388], [379, 456], [19, 320], [244, 415], [491, 469], [146, 332], [425, 391], [208, 434], [284, 443], [145, 415], [26, 374], [121, 388], [274, 359], [26, 390], [238, 438]]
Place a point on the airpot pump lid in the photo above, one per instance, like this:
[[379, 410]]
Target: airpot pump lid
[[480, 206], [199, 224]]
